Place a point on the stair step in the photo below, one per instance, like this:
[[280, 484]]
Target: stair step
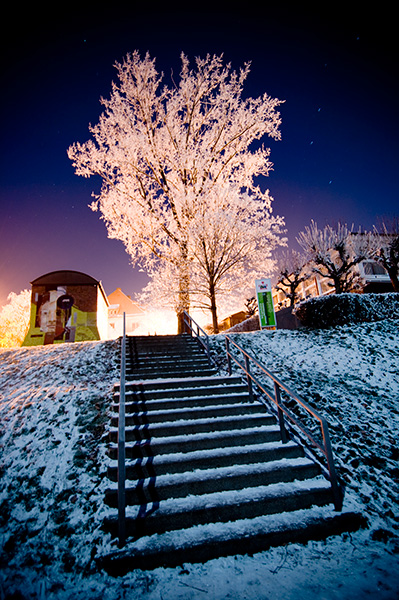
[[150, 360], [159, 370], [143, 394], [207, 459], [163, 487], [176, 383], [151, 373], [188, 355], [206, 542], [135, 416], [146, 447], [194, 426], [186, 403], [205, 467], [218, 507]]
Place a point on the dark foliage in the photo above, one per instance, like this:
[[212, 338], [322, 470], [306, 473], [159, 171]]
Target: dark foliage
[[344, 309]]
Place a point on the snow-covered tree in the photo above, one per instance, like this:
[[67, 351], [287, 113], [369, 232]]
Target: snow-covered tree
[[292, 271], [160, 152], [14, 319], [335, 252], [387, 253], [231, 241]]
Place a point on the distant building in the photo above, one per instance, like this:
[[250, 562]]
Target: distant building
[[67, 306], [232, 320], [120, 303]]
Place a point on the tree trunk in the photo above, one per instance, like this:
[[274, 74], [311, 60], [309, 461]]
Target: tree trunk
[[338, 285], [184, 298], [215, 325], [393, 275]]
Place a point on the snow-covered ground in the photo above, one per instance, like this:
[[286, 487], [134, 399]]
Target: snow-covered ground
[[54, 404]]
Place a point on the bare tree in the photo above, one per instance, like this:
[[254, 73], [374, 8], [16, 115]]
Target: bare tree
[[335, 252], [387, 253], [291, 273], [251, 306], [160, 151]]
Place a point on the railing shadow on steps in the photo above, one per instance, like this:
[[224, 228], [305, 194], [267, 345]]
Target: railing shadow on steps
[[122, 444], [289, 424]]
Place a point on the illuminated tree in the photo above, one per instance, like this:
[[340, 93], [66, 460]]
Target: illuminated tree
[[14, 319], [335, 252], [161, 152], [231, 241], [292, 272]]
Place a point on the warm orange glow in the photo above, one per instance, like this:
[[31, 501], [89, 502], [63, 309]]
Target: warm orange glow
[[157, 322]]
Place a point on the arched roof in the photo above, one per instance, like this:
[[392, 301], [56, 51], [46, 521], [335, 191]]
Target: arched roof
[[65, 278]]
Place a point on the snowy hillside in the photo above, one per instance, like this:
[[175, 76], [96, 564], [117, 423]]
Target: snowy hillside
[[54, 404]]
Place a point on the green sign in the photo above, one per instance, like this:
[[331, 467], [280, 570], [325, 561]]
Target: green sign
[[267, 317]]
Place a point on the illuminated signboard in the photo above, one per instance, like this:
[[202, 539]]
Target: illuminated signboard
[[267, 317]]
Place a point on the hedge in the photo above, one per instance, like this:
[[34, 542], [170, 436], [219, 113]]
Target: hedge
[[344, 309]]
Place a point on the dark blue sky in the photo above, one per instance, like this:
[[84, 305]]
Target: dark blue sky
[[338, 158]]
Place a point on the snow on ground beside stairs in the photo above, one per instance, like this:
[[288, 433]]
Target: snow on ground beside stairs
[[54, 409]]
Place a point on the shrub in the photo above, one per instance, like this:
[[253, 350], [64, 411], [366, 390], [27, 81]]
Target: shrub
[[344, 309]]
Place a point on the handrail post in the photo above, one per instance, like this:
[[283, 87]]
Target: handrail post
[[335, 488], [228, 355], [208, 351], [280, 414], [249, 380], [122, 444]]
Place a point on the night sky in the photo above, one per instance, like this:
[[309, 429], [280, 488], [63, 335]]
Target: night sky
[[338, 158]]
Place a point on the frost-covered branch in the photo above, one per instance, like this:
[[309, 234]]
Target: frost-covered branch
[[292, 271]]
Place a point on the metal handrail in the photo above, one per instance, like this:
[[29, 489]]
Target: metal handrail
[[122, 444], [281, 410], [196, 330]]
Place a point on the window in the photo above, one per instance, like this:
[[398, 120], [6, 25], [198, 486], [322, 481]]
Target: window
[[373, 268]]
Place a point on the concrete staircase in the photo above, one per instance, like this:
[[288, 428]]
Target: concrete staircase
[[207, 474]]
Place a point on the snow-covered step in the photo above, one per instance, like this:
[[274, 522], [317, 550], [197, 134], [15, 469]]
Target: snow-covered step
[[211, 540], [165, 390], [183, 403], [185, 393], [176, 384], [164, 487], [200, 457], [172, 356], [151, 357], [137, 417], [193, 426], [221, 507], [177, 371], [166, 362], [180, 462], [186, 402], [147, 447]]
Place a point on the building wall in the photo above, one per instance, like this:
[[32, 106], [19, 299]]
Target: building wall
[[120, 303], [102, 315], [66, 313]]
